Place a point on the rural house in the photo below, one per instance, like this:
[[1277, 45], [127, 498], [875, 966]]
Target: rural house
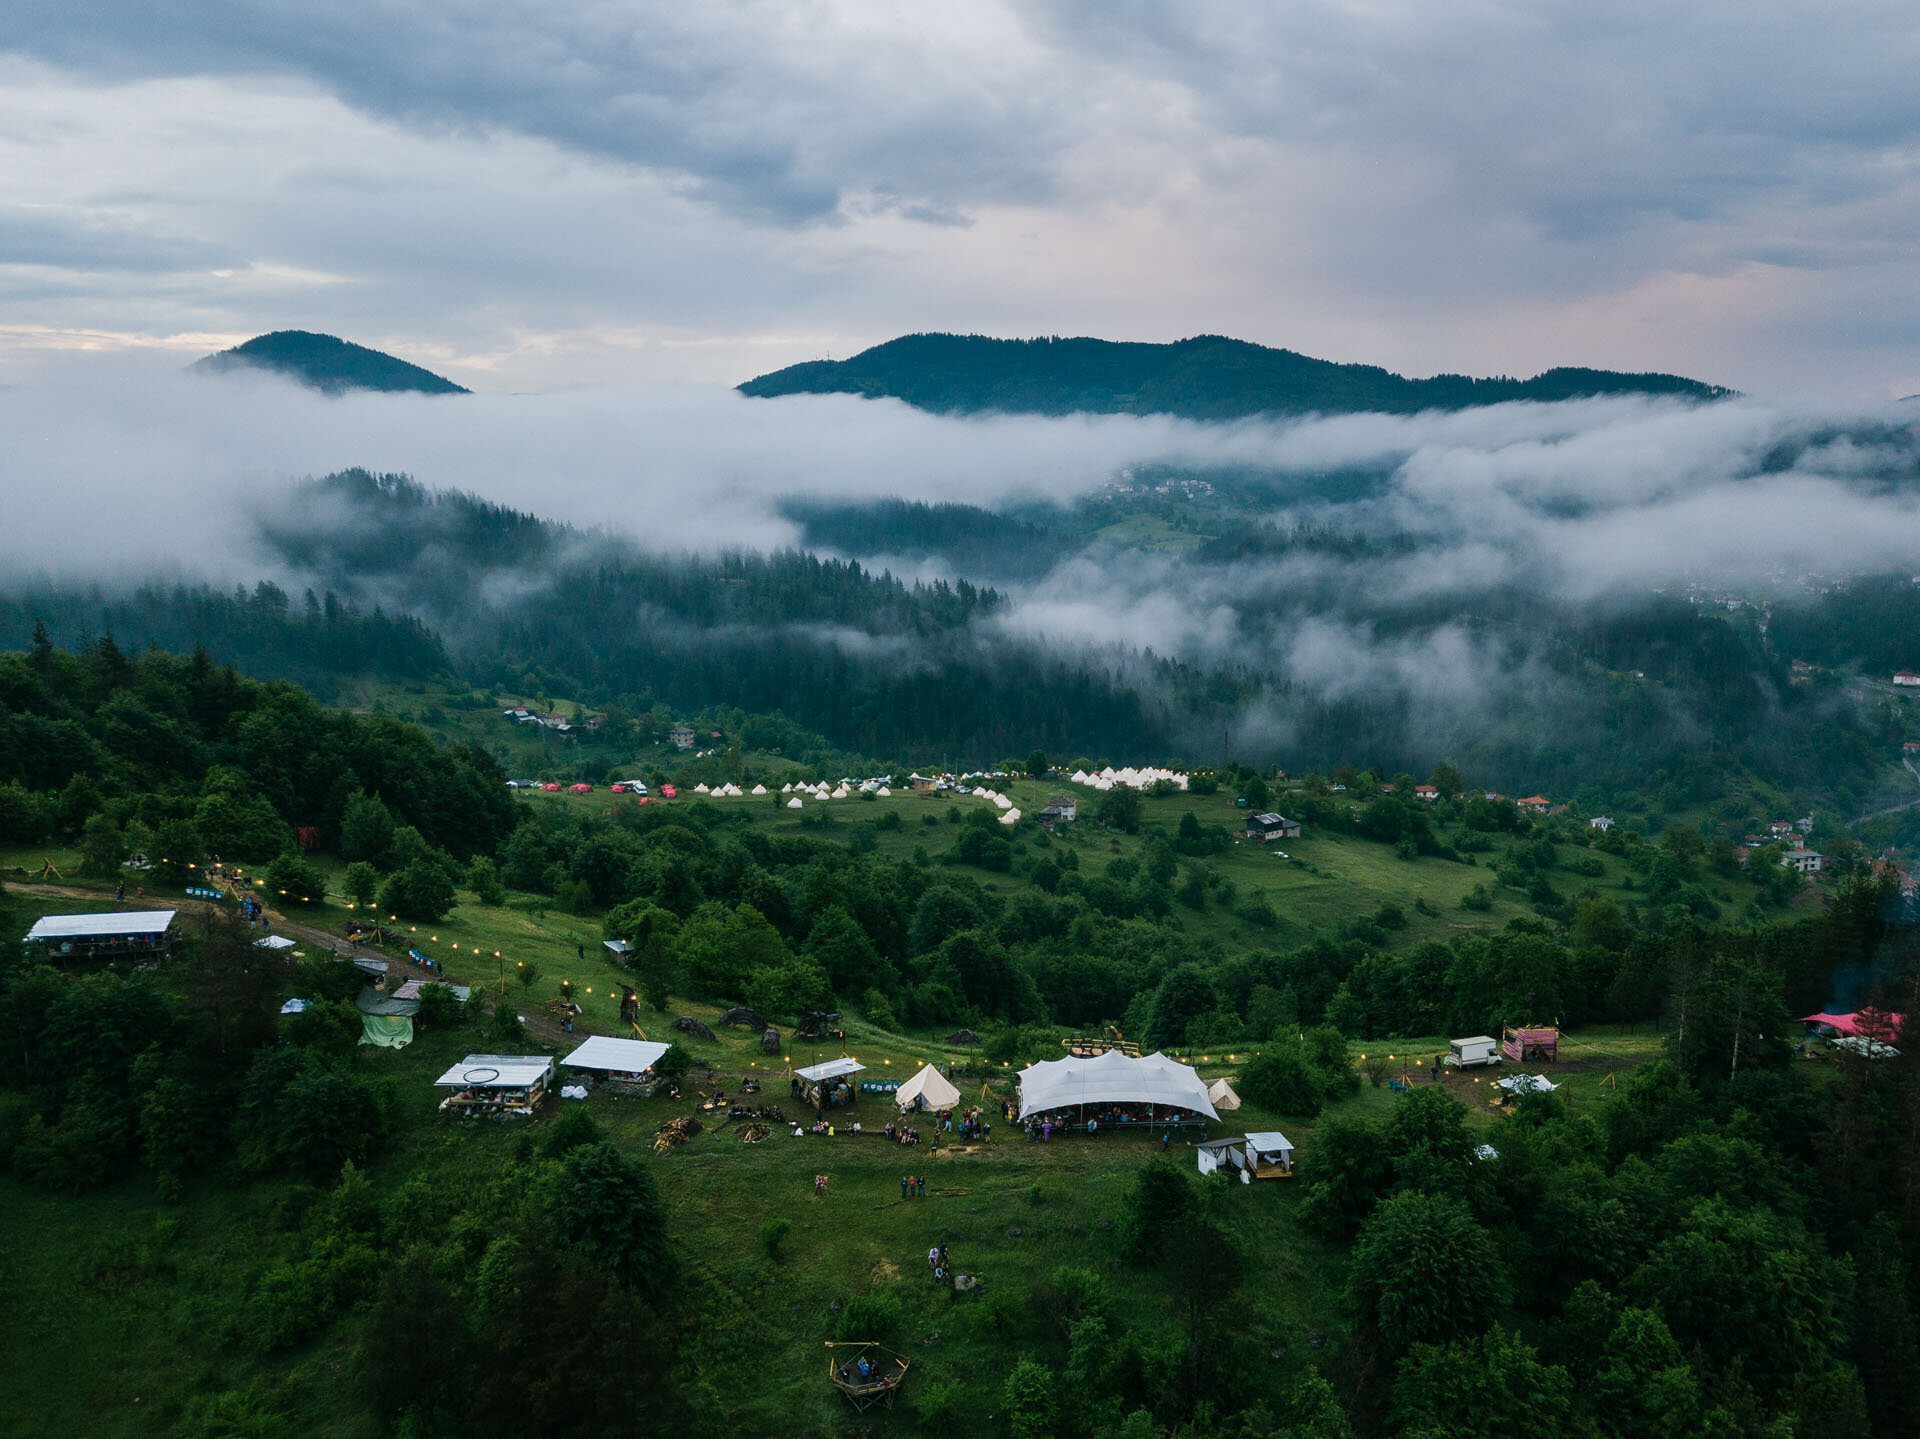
[[1263, 827]]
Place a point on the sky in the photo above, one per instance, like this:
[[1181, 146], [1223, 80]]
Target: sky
[[531, 195]]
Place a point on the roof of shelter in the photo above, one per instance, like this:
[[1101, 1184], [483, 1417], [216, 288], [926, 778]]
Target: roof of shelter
[[831, 1069], [630, 1056], [97, 926], [497, 1071]]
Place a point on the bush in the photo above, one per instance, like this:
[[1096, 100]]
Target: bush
[[773, 1234], [1159, 1196], [572, 1128], [608, 1207], [296, 881], [1281, 1081], [440, 1007], [420, 891], [675, 1063]]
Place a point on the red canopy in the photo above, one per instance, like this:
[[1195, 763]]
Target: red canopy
[[1872, 1023]]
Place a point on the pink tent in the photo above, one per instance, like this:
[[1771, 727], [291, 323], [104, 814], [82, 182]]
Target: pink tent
[[1870, 1023]]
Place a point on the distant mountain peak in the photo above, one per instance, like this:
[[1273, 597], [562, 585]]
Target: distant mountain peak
[[1207, 377], [329, 364]]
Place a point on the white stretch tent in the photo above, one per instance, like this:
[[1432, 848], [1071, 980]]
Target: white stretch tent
[[831, 1069], [621, 1056], [1222, 1095], [1112, 1078], [931, 1085], [90, 926]]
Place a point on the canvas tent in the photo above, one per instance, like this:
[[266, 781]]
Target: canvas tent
[[1222, 1095], [616, 1058], [929, 1089], [1112, 1078]]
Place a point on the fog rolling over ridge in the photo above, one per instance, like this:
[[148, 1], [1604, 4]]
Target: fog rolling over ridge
[[1472, 583]]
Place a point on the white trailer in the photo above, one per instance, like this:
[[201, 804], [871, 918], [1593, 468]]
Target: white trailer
[[1472, 1052]]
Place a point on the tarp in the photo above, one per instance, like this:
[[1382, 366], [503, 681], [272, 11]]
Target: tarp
[[1222, 1095], [1527, 1084], [1112, 1078], [389, 1031], [295, 1006], [274, 941], [1873, 1023], [931, 1085], [627, 1056], [98, 926], [832, 1069]]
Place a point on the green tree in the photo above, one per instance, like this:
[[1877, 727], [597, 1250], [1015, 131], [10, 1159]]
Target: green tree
[[1160, 1194], [1119, 808], [366, 829], [362, 884], [1028, 1395], [1488, 1386], [1422, 1268], [1280, 1080], [608, 1207], [484, 880], [421, 891], [653, 935], [1183, 996], [296, 881], [102, 847]]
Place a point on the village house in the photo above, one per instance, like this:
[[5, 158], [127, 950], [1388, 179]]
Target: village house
[[1426, 792], [1911, 746], [1601, 822], [682, 736], [1906, 679], [1061, 809], [1806, 861], [1780, 827], [1264, 827], [1535, 804]]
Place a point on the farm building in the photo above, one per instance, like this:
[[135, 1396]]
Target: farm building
[[1263, 827]]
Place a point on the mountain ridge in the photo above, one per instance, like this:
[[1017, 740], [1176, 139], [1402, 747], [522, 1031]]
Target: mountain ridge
[[1205, 377], [329, 364]]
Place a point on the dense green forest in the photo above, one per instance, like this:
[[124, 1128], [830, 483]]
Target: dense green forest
[[1724, 1241], [1208, 377], [329, 364]]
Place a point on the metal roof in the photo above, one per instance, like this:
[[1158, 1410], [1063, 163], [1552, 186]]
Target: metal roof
[[1269, 1141], [497, 1071], [832, 1069], [603, 1051], [96, 926]]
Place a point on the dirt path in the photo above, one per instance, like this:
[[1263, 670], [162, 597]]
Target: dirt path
[[399, 971]]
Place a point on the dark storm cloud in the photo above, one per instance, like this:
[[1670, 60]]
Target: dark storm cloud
[[780, 112]]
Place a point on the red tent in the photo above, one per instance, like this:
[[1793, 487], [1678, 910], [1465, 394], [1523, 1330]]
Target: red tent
[[1868, 1023]]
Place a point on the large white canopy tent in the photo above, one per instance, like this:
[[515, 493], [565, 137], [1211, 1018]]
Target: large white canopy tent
[[1112, 1078], [931, 1085]]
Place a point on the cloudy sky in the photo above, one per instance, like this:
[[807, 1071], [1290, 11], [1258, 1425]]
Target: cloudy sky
[[530, 194]]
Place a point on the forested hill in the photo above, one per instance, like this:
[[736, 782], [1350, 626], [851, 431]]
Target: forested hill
[[329, 364], [1208, 377]]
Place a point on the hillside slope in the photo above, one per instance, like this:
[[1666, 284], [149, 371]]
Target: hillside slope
[[1207, 377], [329, 364]]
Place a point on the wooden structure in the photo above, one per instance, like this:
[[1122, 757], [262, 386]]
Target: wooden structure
[[868, 1376], [1524, 1046], [1086, 1046], [496, 1084], [142, 935]]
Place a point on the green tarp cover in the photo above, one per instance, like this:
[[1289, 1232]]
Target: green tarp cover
[[389, 1031]]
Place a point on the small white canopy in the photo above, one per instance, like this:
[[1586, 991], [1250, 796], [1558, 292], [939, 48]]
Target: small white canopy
[[832, 1069], [627, 1056], [931, 1085], [1112, 1078], [1269, 1144], [1526, 1084], [1222, 1095], [274, 941], [91, 926], [497, 1071]]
